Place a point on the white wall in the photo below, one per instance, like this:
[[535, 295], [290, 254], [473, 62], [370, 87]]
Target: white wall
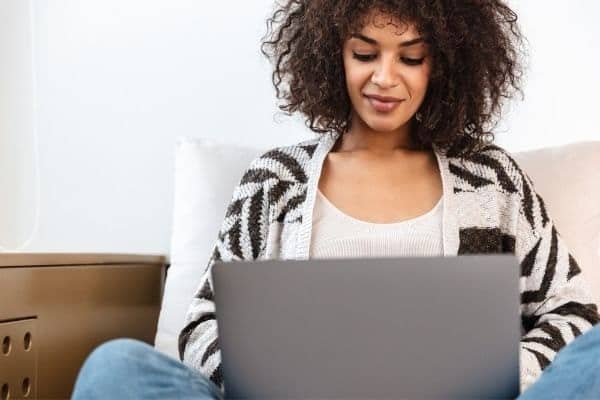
[[562, 83], [119, 80], [18, 175]]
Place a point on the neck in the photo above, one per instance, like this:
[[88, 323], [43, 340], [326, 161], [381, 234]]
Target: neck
[[362, 139]]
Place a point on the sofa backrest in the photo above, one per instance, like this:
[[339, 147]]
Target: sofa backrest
[[568, 179]]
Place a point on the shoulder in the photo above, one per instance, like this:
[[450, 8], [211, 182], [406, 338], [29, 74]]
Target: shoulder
[[279, 177], [288, 163], [494, 166], [491, 164]]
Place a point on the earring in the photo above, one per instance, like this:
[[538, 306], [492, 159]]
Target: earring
[[418, 116]]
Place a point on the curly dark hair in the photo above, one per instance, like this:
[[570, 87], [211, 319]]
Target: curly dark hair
[[475, 45]]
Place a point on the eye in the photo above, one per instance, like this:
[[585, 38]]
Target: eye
[[369, 57], [363, 57], [413, 61]]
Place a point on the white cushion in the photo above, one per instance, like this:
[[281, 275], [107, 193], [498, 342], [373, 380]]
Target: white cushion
[[566, 177], [206, 173]]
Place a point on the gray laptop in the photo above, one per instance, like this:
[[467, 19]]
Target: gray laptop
[[370, 328]]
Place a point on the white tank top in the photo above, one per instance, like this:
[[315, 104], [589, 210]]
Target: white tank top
[[338, 235]]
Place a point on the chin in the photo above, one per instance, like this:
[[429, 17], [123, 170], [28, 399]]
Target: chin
[[381, 125]]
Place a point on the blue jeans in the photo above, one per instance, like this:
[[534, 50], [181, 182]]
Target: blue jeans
[[129, 369]]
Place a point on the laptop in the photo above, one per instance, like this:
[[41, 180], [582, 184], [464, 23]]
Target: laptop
[[370, 328]]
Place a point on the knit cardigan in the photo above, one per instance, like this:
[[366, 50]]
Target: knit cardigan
[[489, 206]]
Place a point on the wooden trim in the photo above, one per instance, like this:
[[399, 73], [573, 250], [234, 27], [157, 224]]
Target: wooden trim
[[53, 259]]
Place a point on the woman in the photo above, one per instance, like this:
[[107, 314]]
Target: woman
[[402, 95]]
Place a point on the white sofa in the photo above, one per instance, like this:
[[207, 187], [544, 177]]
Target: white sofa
[[207, 172]]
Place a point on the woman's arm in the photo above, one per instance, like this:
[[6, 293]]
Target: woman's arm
[[242, 236], [556, 305]]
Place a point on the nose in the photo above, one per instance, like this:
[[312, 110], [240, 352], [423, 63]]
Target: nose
[[384, 75]]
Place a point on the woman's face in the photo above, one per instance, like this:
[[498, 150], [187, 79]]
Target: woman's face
[[386, 59]]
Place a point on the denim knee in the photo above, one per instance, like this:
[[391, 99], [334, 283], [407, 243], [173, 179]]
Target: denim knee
[[590, 337], [115, 353], [111, 359], [586, 344]]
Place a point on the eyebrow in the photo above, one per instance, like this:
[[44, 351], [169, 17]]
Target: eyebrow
[[373, 41]]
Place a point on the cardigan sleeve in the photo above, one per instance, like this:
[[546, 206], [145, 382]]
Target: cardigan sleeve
[[242, 236], [556, 305]]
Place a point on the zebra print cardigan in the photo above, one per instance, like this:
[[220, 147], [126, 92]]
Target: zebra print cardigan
[[489, 206]]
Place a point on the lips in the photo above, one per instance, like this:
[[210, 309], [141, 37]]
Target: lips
[[383, 104]]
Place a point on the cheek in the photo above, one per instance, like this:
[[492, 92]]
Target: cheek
[[418, 82], [353, 83], [421, 78], [356, 78]]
